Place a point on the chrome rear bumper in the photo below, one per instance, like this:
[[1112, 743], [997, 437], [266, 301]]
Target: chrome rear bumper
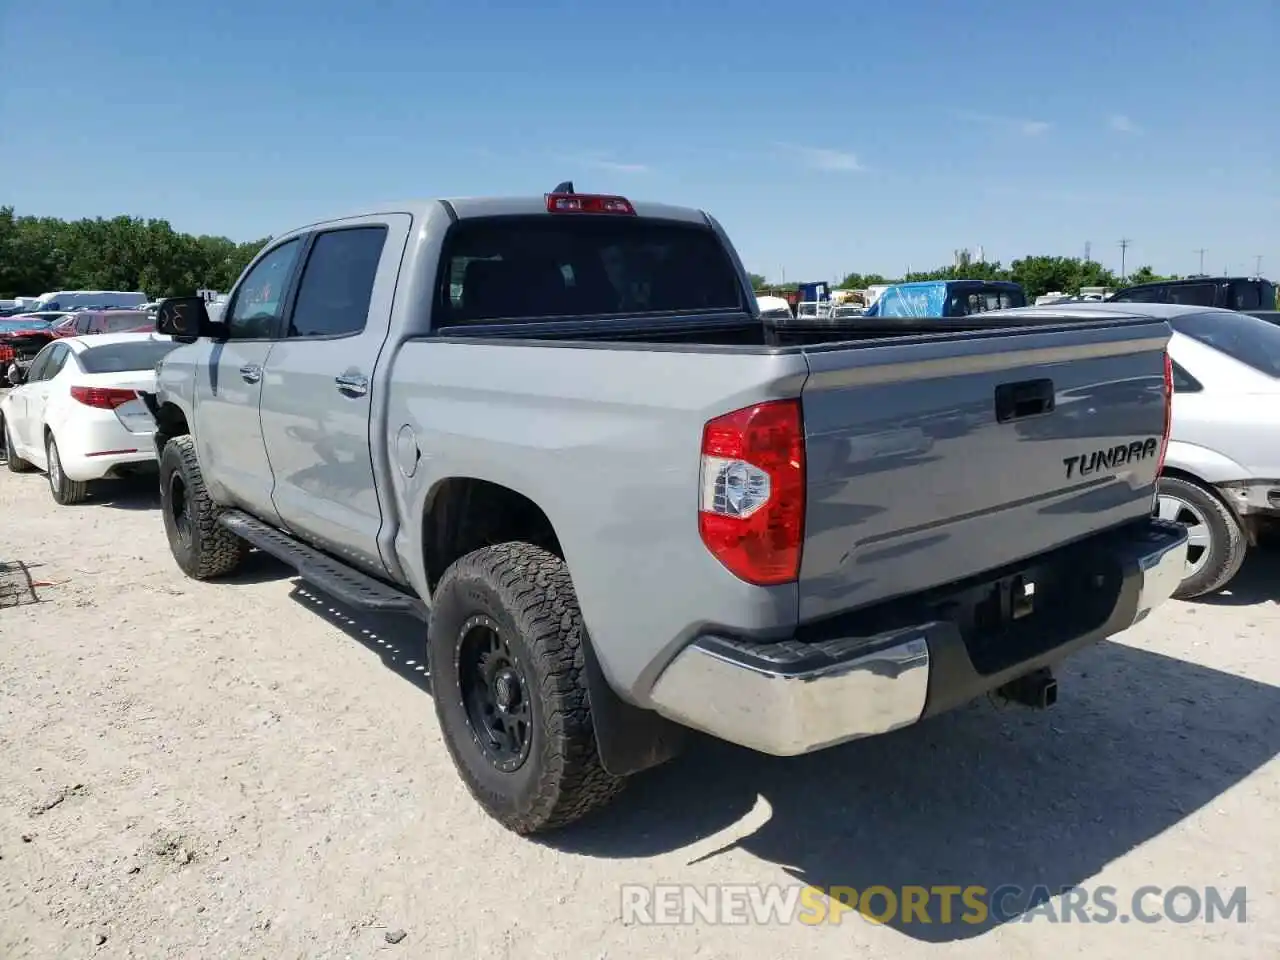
[[787, 698]]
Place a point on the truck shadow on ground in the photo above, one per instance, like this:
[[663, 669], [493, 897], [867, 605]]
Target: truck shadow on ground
[[134, 493], [976, 797], [399, 641], [1257, 582], [997, 798]]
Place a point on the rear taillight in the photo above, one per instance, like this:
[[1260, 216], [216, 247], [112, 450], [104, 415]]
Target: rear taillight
[[103, 398], [588, 203], [751, 501], [1168, 411]]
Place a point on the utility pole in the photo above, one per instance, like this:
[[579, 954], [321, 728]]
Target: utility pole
[[1087, 249], [1201, 251], [1124, 247]]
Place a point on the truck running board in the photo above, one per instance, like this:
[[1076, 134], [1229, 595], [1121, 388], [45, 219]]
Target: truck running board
[[334, 577]]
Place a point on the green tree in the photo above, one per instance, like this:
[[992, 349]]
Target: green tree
[[39, 254], [860, 281], [1145, 274]]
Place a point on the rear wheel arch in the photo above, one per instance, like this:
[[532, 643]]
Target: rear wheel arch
[[465, 514]]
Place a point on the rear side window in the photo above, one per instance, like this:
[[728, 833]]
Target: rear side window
[[117, 322], [1183, 382], [1193, 294], [1141, 295], [1246, 295], [1251, 341], [516, 269], [124, 357], [337, 283]]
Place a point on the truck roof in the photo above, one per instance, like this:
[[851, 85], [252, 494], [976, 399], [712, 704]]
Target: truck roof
[[469, 207]]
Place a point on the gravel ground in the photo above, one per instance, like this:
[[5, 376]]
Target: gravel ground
[[243, 769]]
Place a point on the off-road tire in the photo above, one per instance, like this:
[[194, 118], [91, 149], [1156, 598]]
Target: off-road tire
[[1227, 543], [213, 550], [528, 594], [14, 462], [66, 492]]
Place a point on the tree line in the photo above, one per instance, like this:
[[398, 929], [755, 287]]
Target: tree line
[[1037, 275], [41, 254]]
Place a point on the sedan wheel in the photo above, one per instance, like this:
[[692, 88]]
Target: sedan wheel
[[1173, 508], [1216, 543], [65, 491]]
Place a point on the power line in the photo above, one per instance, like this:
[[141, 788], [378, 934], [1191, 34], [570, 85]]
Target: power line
[[1124, 247]]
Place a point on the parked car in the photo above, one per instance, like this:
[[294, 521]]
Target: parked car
[[774, 308], [89, 299], [87, 322], [1222, 472], [557, 429], [947, 298], [76, 413], [1231, 293], [1221, 475], [23, 336]]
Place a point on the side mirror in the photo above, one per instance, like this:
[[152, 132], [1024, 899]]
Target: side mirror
[[17, 376], [186, 319]]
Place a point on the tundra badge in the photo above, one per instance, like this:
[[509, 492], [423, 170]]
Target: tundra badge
[[1087, 463]]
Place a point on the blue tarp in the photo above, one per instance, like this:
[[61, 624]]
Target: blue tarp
[[926, 299]]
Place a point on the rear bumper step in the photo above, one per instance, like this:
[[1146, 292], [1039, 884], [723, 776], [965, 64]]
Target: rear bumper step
[[792, 697], [322, 571]]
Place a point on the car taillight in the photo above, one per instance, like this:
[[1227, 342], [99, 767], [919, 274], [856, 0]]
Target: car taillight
[[588, 203], [1168, 411], [752, 486], [103, 398], [6, 352]]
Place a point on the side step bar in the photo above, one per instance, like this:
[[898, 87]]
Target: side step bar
[[334, 577]]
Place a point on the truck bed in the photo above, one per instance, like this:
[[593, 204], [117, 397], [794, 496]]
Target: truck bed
[[915, 476]]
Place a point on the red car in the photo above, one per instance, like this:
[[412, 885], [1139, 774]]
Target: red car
[[86, 322], [23, 335]]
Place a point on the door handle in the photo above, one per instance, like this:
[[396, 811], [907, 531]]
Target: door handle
[[1030, 398], [251, 373], [352, 384]]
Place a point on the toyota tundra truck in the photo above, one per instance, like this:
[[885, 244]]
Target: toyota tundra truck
[[626, 507]]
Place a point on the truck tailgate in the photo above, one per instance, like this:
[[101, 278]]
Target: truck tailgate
[[935, 460]]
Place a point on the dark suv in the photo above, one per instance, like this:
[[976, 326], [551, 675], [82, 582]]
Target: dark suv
[[1246, 294]]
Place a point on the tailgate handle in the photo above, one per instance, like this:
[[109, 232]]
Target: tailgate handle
[[1029, 398]]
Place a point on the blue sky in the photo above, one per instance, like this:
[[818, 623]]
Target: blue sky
[[826, 136]]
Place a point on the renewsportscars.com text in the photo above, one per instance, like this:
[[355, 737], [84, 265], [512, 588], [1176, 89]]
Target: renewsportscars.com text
[[674, 904]]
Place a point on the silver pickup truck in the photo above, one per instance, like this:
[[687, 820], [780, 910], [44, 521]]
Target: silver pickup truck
[[557, 430]]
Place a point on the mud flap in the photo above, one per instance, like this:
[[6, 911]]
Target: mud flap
[[630, 739]]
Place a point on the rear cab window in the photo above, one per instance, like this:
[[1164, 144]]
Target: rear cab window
[[1246, 339], [523, 269]]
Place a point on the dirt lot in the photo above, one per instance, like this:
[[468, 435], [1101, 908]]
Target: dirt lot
[[244, 770]]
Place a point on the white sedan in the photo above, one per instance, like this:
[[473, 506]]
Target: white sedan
[[77, 415]]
